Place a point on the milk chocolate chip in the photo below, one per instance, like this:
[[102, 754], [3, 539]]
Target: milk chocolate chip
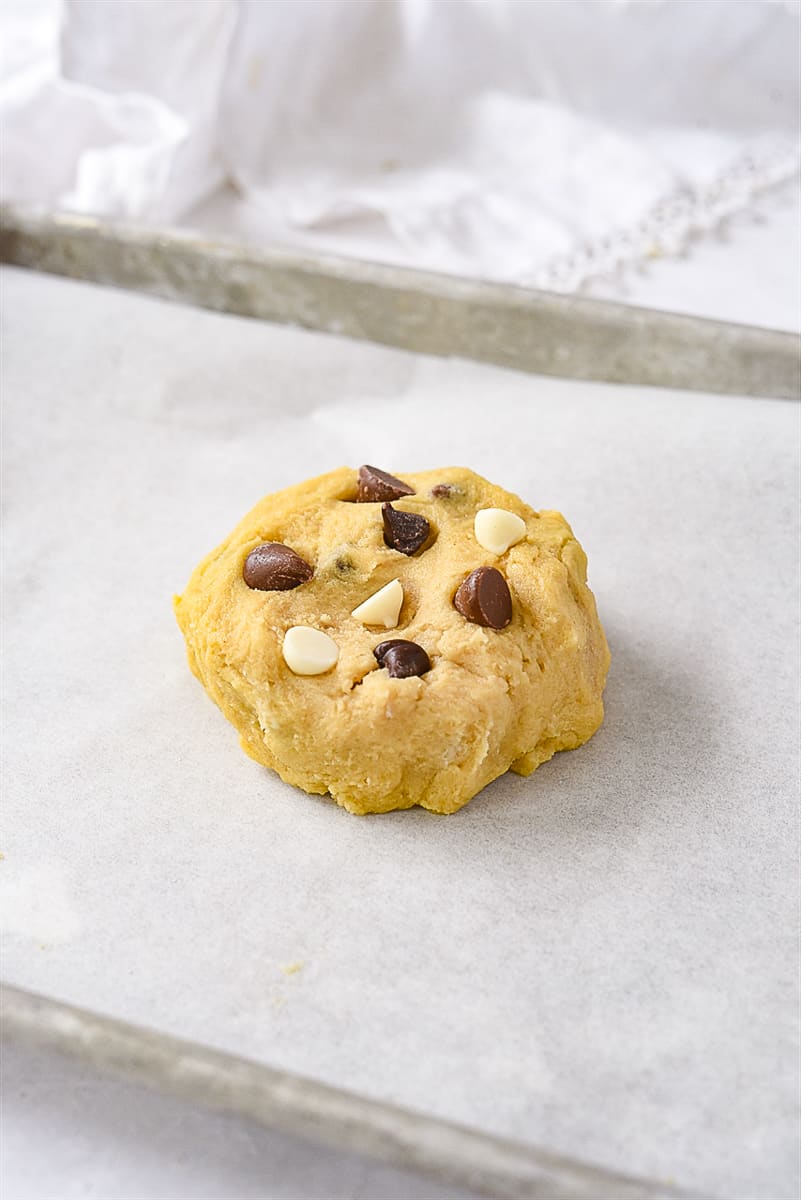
[[441, 491], [273, 567], [378, 485], [402, 658], [404, 531], [484, 598]]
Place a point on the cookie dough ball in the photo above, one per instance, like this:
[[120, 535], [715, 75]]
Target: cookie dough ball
[[398, 641]]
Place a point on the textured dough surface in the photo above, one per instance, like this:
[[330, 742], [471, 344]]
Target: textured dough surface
[[493, 699]]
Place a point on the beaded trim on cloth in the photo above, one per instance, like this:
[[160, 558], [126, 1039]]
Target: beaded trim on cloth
[[675, 221]]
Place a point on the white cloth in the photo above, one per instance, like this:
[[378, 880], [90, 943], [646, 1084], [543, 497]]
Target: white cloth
[[537, 141]]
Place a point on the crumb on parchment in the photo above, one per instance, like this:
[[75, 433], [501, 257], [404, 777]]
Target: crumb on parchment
[[291, 968]]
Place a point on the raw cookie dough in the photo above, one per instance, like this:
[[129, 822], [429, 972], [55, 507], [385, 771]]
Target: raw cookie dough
[[493, 698]]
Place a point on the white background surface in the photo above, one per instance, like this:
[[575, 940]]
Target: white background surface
[[617, 955]]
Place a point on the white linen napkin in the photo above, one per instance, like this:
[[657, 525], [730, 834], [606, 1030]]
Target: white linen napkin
[[533, 141]]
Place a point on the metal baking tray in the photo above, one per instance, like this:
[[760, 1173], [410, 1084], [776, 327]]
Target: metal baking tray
[[515, 327], [449, 1153], [429, 315]]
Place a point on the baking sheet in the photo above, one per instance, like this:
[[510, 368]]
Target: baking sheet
[[542, 332], [601, 958]]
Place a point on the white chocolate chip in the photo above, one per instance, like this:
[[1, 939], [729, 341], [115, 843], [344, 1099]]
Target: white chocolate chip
[[383, 607], [497, 529], [309, 651]]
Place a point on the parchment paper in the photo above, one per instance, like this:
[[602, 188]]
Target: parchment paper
[[601, 958]]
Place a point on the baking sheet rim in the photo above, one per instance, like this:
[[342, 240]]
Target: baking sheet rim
[[305, 1108], [545, 333]]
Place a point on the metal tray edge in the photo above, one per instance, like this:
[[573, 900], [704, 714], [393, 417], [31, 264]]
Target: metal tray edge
[[304, 1108], [539, 332]]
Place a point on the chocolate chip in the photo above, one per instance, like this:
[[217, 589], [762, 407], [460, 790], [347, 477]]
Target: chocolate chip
[[484, 598], [441, 491], [378, 485], [344, 565], [382, 648], [404, 531], [273, 567], [402, 658]]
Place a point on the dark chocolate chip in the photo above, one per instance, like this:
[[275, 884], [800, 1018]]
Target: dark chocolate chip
[[402, 658], [382, 648], [404, 531], [441, 491], [378, 485], [273, 567], [484, 598]]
